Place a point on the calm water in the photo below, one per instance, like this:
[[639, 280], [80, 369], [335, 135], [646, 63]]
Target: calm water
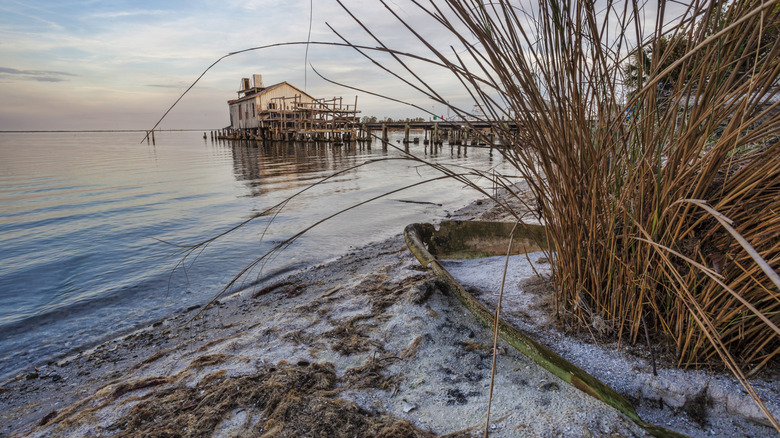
[[88, 222]]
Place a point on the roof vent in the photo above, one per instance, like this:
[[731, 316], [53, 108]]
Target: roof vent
[[245, 84], [258, 79]]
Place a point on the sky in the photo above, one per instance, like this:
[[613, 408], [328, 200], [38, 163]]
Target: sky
[[99, 64], [90, 64]]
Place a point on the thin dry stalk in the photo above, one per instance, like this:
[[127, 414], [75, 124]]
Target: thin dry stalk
[[496, 319], [612, 126]]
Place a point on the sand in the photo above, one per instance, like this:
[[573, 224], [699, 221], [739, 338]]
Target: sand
[[365, 345]]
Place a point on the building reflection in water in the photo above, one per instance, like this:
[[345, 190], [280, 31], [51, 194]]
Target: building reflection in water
[[294, 165]]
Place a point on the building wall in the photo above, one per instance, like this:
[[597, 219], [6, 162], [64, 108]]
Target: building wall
[[283, 90], [244, 113]]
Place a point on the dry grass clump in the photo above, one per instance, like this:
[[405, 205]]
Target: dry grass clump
[[372, 374], [285, 400], [209, 360], [650, 141], [349, 338], [126, 387], [289, 288], [384, 294], [282, 401]]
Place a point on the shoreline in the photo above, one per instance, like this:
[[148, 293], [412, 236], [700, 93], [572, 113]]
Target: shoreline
[[401, 350], [41, 389]]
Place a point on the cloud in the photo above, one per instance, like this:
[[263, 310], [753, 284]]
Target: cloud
[[268, 5], [124, 14], [166, 86], [36, 75]]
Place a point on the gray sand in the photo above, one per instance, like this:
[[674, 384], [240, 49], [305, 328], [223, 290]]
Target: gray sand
[[400, 347]]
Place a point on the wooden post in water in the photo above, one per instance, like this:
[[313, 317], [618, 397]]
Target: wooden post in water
[[406, 133], [153, 142], [355, 131]]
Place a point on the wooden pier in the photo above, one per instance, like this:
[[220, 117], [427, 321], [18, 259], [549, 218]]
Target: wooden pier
[[283, 112], [292, 119], [476, 133], [329, 121]]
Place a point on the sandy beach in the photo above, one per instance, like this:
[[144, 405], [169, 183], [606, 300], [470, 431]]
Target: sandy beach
[[367, 345]]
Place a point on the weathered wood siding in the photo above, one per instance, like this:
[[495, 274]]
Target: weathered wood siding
[[244, 112], [282, 90]]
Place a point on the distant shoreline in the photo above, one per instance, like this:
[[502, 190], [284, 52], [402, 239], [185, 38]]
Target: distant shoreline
[[100, 130]]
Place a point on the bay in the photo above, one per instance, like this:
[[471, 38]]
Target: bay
[[94, 227]]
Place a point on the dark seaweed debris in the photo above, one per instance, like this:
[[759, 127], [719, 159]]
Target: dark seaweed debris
[[280, 401]]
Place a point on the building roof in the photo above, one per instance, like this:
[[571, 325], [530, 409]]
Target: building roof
[[267, 89]]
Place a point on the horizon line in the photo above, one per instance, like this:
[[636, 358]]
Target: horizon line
[[101, 130]]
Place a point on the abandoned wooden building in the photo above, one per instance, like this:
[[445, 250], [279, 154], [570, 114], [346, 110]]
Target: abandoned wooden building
[[284, 112]]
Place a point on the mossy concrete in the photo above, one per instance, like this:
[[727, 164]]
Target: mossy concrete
[[455, 238]]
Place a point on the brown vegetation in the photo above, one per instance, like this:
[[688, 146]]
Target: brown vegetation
[[661, 199], [285, 400]]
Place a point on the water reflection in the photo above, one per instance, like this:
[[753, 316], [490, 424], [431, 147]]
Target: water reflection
[[83, 217], [290, 165]]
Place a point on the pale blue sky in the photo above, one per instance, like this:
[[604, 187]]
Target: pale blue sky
[[89, 64], [84, 64]]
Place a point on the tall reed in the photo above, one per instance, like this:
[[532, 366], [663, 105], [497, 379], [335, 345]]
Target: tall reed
[[652, 148], [638, 139]]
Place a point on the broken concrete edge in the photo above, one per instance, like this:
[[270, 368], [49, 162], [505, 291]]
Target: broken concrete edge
[[416, 237], [478, 239]]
